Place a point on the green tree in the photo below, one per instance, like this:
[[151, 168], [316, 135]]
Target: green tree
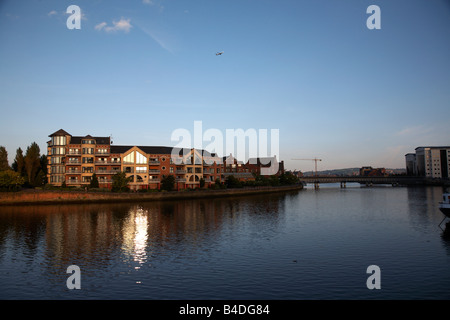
[[94, 182], [44, 171], [19, 162], [4, 159], [32, 163], [10, 180], [274, 181], [261, 180], [232, 182], [202, 183], [120, 182], [288, 178], [168, 182]]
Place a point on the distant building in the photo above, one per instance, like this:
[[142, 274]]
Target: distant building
[[411, 167], [430, 162], [371, 172]]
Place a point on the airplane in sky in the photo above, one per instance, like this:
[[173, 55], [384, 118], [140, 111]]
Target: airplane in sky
[[219, 53]]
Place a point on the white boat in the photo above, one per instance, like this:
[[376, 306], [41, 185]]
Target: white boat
[[444, 206]]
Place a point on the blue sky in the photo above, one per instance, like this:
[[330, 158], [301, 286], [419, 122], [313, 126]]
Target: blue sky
[[138, 70]]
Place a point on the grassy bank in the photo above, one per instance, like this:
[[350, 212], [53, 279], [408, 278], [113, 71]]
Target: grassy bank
[[57, 196]]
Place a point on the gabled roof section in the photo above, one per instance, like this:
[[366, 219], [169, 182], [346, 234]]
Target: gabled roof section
[[60, 132], [120, 149]]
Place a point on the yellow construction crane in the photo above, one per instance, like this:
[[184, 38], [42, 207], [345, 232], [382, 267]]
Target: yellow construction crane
[[315, 162]]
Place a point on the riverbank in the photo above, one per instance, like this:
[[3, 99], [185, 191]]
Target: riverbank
[[56, 196]]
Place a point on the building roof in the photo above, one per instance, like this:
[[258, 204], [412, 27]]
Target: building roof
[[158, 150], [60, 132], [434, 147], [98, 140]]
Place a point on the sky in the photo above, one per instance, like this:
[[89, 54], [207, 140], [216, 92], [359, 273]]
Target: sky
[[138, 70]]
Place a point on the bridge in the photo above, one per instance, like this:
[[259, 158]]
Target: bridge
[[371, 180]]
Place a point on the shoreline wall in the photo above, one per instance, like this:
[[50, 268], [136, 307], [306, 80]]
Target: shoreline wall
[[56, 197]]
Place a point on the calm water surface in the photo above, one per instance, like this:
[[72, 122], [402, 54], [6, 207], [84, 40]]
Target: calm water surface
[[303, 245]]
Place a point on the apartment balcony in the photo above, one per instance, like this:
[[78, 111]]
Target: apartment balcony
[[154, 181], [73, 172], [102, 153], [154, 162], [73, 182], [180, 171], [100, 181], [180, 180], [72, 153], [107, 162], [107, 171], [73, 162], [154, 171]]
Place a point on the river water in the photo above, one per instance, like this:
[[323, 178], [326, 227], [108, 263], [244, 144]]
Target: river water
[[310, 244]]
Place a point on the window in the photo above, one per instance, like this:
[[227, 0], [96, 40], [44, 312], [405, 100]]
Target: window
[[57, 179], [58, 150], [59, 141], [56, 160], [141, 169], [57, 169], [129, 158], [87, 169], [88, 160], [171, 169], [164, 168], [140, 158]]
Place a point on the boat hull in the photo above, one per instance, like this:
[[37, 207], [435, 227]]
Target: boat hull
[[445, 209]]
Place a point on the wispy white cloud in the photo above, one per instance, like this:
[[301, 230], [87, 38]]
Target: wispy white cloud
[[154, 3], [415, 130], [157, 39], [122, 25], [64, 13], [100, 26]]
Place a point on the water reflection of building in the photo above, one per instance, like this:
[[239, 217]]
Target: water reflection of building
[[99, 235]]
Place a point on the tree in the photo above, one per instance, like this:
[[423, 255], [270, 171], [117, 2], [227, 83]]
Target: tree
[[3, 159], [10, 180], [44, 170], [168, 182], [94, 182], [120, 182], [32, 163], [202, 183], [288, 178], [19, 162], [232, 182]]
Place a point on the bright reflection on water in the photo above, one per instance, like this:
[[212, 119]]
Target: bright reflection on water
[[302, 245]]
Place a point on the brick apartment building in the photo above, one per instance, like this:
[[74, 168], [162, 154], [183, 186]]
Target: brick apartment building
[[74, 159]]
